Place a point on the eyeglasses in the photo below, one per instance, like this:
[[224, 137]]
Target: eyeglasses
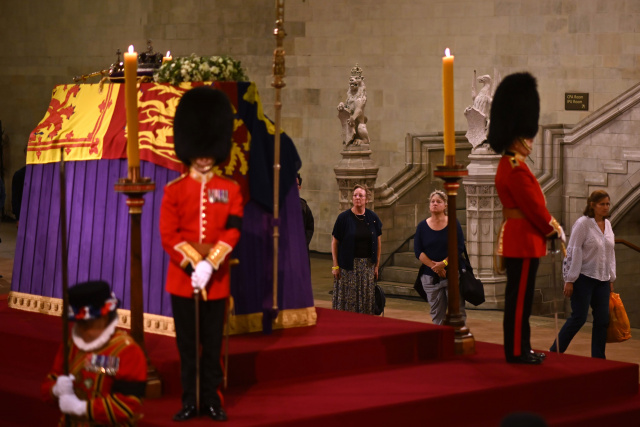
[[359, 196]]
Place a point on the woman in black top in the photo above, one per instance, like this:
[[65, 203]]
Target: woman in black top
[[431, 246], [355, 248]]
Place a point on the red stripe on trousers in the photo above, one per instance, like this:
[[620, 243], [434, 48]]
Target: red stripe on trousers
[[522, 290]]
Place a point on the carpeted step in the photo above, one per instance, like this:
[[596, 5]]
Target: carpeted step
[[618, 411], [339, 343], [349, 369], [476, 390], [22, 404]]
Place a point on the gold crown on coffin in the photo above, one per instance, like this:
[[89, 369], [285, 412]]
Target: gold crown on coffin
[[356, 71]]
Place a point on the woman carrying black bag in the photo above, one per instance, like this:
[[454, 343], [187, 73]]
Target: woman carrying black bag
[[430, 245]]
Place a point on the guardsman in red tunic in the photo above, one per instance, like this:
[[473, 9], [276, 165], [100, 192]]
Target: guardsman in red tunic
[[200, 222], [527, 222], [107, 369]]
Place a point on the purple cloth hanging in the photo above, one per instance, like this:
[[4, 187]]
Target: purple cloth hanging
[[98, 240]]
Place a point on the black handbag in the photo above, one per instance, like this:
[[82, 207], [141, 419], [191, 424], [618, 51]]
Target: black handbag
[[471, 289], [380, 301]]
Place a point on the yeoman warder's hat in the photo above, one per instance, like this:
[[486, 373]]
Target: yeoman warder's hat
[[203, 125], [91, 300], [515, 110]]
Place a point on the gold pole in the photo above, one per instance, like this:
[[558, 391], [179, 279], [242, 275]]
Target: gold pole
[[277, 83]]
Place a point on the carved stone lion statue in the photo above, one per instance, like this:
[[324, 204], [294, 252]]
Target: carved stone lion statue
[[351, 112]]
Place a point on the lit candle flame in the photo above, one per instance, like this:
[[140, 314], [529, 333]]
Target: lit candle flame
[[131, 49], [447, 52], [168, 53]]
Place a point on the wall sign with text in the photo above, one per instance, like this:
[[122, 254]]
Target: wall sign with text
[[576, 101]]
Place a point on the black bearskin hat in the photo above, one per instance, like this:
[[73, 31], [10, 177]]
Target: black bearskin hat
[[91, 300], [515, 110], [203, 125]]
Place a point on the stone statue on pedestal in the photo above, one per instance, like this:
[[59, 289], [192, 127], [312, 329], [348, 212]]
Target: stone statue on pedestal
[[351, 112], [478, 114], [484, 210], [356, 166]]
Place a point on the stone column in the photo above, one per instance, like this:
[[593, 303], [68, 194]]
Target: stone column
[[484, 217], [356, 167]]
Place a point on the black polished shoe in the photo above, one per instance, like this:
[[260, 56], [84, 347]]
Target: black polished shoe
[[216, 413], [186, 413], [527, 359], [540, 355]]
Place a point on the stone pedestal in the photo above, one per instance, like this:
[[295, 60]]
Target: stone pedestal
[[356, 167], [484, 217]]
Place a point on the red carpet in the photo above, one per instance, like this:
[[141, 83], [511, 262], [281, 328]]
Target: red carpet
[[347, 370]]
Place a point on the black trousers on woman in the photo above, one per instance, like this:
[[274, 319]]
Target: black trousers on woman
[[518, 298]]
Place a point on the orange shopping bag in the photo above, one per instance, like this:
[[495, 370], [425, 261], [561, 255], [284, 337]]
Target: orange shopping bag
[[619, 328]]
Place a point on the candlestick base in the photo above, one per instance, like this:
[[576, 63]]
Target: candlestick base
[[154, 383], [464, 342]]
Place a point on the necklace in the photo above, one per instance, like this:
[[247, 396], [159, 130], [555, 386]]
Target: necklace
[[360, 217]]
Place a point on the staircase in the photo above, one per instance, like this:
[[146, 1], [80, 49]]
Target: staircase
[[400, 272]]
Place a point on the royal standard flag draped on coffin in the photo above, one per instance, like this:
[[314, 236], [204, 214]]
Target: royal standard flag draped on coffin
[[76, 120], [88, 122]]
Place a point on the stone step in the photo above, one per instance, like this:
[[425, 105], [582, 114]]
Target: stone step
[[597, 179], [631, 154], [400, 274], [406, 259], [398, 289], [614, 166]]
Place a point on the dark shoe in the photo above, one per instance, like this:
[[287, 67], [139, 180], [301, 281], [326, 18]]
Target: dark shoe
[[527, 359], [216, 413], [540, 355], [186, 413]]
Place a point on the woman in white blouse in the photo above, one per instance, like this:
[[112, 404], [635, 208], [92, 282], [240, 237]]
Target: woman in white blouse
[[589, 271]]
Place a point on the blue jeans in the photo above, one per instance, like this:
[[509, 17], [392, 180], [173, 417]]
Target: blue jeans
[[587, 291]]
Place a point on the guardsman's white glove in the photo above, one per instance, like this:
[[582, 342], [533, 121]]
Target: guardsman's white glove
[[562, 236], [200, 277]]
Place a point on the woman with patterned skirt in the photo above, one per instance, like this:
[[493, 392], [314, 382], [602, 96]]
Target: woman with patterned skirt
[[355, 249]]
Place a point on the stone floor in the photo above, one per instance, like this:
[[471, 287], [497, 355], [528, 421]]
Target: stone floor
[[485, 325]]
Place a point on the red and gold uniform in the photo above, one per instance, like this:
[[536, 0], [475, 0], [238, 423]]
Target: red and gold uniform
[[527, 226], [200, 219], [200, 210], [111, 379]]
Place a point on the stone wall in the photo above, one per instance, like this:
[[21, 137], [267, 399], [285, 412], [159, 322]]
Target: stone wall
[[569, 45], [403, 201], [599, 152]]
